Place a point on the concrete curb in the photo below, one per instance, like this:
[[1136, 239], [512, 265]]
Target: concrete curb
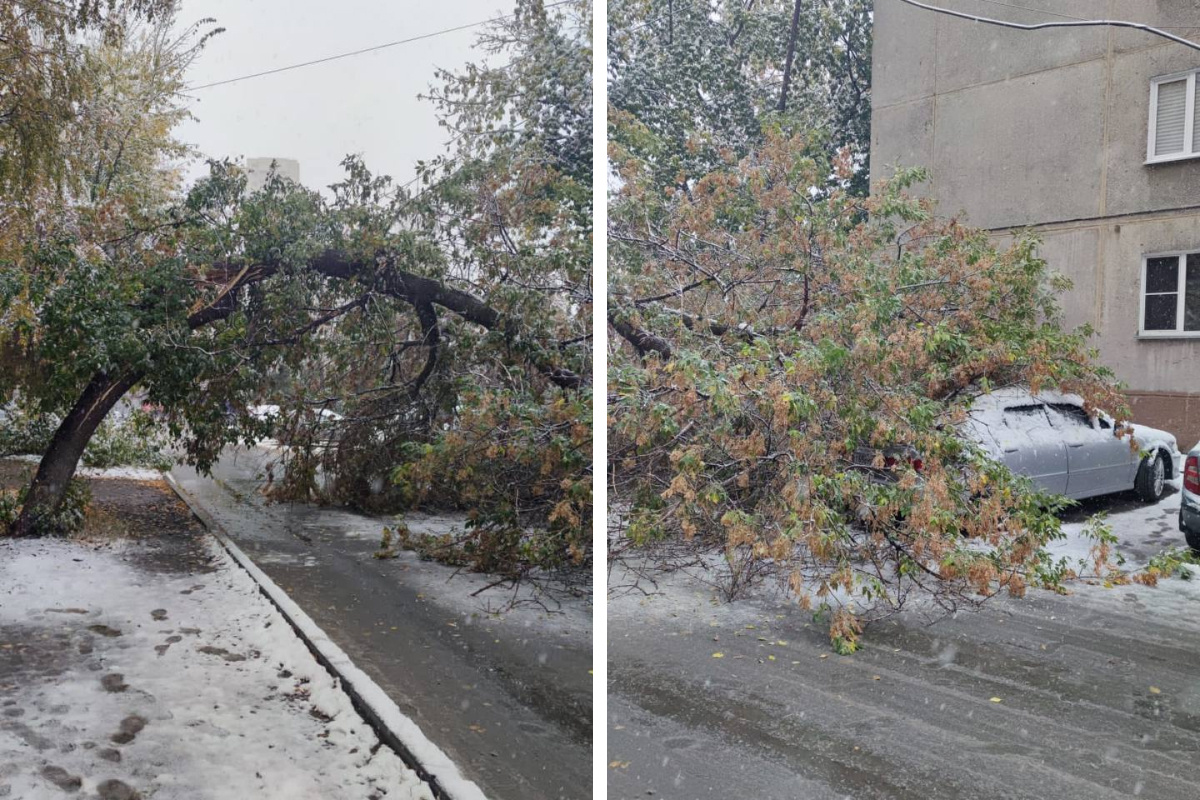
[[379, 711]]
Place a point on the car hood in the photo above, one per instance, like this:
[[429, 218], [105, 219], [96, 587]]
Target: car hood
[[1146, 435]]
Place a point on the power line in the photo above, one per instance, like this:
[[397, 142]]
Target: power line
[[1068, 16], [1115, 23], [1036, 10], [362, 51]]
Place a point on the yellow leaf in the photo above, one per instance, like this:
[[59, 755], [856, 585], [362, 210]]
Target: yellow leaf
[[1155, 690], [995, 699], [718, 655]]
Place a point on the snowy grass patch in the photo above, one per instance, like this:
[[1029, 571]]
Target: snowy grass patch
[[177, 686]]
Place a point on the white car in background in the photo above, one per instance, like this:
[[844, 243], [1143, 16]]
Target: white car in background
[[1051, 439], [1189, 502], [272, 412]]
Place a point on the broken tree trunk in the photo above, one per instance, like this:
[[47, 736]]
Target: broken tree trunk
[[59, 462]]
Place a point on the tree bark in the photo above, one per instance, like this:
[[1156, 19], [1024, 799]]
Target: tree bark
[[643, 341], [59, 462], [791, 54]]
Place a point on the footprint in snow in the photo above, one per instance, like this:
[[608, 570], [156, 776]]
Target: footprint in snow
[[61, 778], [104, 630], [130, 727], [114, 682], [222, 652], [113, 789], [162, 649]]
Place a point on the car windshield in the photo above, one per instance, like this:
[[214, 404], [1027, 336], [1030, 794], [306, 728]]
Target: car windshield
[[1026, 418], [1069, 414]]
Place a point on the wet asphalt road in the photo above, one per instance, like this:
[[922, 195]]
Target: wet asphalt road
[[1099, 697], [512, 706]]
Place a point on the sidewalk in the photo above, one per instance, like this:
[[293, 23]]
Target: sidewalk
[[503, 692], [151, 667]]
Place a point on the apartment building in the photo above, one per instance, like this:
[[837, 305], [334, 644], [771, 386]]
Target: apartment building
[[1090, 138]]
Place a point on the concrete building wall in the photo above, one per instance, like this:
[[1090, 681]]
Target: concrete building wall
[[1047, 130]]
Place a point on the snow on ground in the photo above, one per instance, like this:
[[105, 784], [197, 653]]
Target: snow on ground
[[455, 590], [121, 682], [470, 596], [1142, 530], [130, 473]]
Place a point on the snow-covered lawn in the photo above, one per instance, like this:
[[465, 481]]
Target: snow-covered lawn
[[120, 681]]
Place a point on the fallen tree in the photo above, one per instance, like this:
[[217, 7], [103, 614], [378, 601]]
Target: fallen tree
[[427, 297], [781, 340], [448, 324]]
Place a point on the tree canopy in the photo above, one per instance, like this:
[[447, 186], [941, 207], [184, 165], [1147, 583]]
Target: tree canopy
[[447, 321], [49, 49], [793, 360], [697, 78]]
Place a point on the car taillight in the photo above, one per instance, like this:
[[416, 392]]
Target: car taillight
[[915, 463], [1191, 474]]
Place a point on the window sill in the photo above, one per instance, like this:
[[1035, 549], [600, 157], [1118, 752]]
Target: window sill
[[1149, 162], [1157, 335]]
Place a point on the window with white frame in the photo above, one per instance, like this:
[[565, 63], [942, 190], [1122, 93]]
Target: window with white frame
[[1174, 127], [1171, 295]]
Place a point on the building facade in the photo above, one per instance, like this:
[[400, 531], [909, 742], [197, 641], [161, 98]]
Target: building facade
[[1088, 137]]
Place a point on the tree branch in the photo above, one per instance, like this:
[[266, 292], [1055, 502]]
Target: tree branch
[[415, 289], [643, 341], [791, 54]]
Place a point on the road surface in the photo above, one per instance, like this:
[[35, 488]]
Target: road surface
[[1091, 696], [508, 697]]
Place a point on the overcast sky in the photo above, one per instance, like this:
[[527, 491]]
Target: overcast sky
[[365, 104]]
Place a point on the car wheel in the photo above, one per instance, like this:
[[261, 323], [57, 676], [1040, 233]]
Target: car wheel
[[1193, 539], [1151, 479]]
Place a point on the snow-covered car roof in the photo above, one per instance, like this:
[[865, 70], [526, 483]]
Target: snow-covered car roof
[[987, 411], [1000, 399]]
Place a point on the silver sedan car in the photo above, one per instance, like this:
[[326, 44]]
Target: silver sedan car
[[1050, 438]]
